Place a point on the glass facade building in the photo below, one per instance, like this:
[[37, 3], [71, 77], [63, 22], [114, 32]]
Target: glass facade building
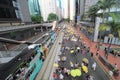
[[7, 11], [34, 7]]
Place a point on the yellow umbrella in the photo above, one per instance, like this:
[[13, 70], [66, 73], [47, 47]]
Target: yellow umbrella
[[85, 69], [55, 65], [85, 60], [73, 73], [71, 51], [78, 72]]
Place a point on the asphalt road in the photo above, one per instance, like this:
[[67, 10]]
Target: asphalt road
[[98, 74]]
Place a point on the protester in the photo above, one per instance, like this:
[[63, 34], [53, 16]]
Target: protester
[[94, 66], [71, 64], [110, 73], [97, 52], [78, 49], [61, 76], [54, 76], [91, 54]]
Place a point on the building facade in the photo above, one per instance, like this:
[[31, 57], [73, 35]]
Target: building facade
[[7, 11], [34, 7], [23, 10], [83, 6], [89, 3], [72, 9], [66, 8], [47, 7], [14, 11]]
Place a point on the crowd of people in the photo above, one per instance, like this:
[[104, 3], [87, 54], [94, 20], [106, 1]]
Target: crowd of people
[[66, 68]]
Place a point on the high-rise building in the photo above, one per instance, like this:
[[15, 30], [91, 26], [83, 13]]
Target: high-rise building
[[66, 8], [72, 9], [47, 7], [89, 3], [83, 6], [7, 11], [34, 7], [23, 10], [14, 10], [59, 8]]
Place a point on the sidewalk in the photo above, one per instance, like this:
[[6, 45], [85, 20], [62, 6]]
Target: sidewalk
[[47, 68], [93, 49]]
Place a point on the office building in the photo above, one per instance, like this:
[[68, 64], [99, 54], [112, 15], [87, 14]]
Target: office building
[[72, 9], [34, 7], [14, 11], [83, 6], [7, 11], [89, 3], [47, 7], [66, 9], [23, 10]]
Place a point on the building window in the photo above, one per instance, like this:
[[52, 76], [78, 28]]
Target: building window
[[3, 1]]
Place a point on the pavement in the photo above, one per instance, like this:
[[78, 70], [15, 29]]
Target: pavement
[[93, 49], [47, 68]]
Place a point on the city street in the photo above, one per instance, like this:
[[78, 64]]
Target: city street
[[98, 74], [59, 40]]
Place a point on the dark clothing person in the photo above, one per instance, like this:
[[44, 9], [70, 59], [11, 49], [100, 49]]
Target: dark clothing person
[[97, 52], [91, 54]]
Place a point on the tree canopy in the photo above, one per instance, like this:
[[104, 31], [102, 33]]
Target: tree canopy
[[114, 24], [52, 17], [37, 19]]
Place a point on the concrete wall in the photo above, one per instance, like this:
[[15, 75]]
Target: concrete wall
[[18, 35]]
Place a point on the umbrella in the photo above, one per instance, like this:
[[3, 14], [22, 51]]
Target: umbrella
[[71, 51], [85, 69], [85, 60], [78, 72], [73, 73], [55, 65]]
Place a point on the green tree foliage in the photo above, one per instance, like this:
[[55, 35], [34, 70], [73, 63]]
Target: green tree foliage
[[103, 27], [105, 4], [100, 5], [52, 17], [114, 24], [37, 19], [67, 19], [12, 34], [92, 13]]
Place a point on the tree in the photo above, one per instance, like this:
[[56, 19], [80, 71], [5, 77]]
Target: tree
[[114, 24], [52, 17], [105, 4], [67, 19], [92, 12], [37, 19], [103, 27]]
